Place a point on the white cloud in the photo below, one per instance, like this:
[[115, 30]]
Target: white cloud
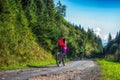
[[86, 30], [105, 37], [97, 31], [113, 36]]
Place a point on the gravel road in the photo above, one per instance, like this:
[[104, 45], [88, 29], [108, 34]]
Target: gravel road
[[74, 70]]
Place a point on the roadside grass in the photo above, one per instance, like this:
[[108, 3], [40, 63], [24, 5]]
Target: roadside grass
[[27, 65], [110, 70], [31, 64], [42, 63]]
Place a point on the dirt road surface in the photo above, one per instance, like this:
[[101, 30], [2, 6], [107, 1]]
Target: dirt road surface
[[74, 70]]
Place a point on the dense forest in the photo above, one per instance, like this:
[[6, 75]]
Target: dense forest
[[29, 30], [112, 50]]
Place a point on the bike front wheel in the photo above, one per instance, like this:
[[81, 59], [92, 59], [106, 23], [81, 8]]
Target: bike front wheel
[[58, 60]]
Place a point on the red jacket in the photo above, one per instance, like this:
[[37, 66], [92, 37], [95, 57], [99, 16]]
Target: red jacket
[[61, 43]]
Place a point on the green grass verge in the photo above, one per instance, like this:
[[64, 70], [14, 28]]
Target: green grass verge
[[110, 70], [42, 63], [31, 64]]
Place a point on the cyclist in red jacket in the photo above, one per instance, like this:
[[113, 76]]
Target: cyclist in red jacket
[[61, 44]]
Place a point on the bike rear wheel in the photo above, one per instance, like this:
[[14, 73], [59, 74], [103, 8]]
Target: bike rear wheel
[[60, 59]]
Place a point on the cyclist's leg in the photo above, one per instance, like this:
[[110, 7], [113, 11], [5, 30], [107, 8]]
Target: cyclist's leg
[[63, 56], [60, 54], [58, 57]]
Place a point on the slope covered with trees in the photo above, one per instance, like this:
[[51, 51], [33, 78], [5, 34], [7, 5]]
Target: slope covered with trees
[[22, 23], [112, 50], [29, 30]]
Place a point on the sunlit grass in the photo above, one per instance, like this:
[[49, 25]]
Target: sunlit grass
[[27, 65], [42, 63], [110, 70], [31, 64]]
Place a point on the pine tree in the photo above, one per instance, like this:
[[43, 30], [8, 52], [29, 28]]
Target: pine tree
[[109, 37], [61, 9]]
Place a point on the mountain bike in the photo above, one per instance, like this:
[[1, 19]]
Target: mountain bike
[[60, 58]]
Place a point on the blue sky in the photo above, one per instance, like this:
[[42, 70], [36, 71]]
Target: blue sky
[[103, 16]]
